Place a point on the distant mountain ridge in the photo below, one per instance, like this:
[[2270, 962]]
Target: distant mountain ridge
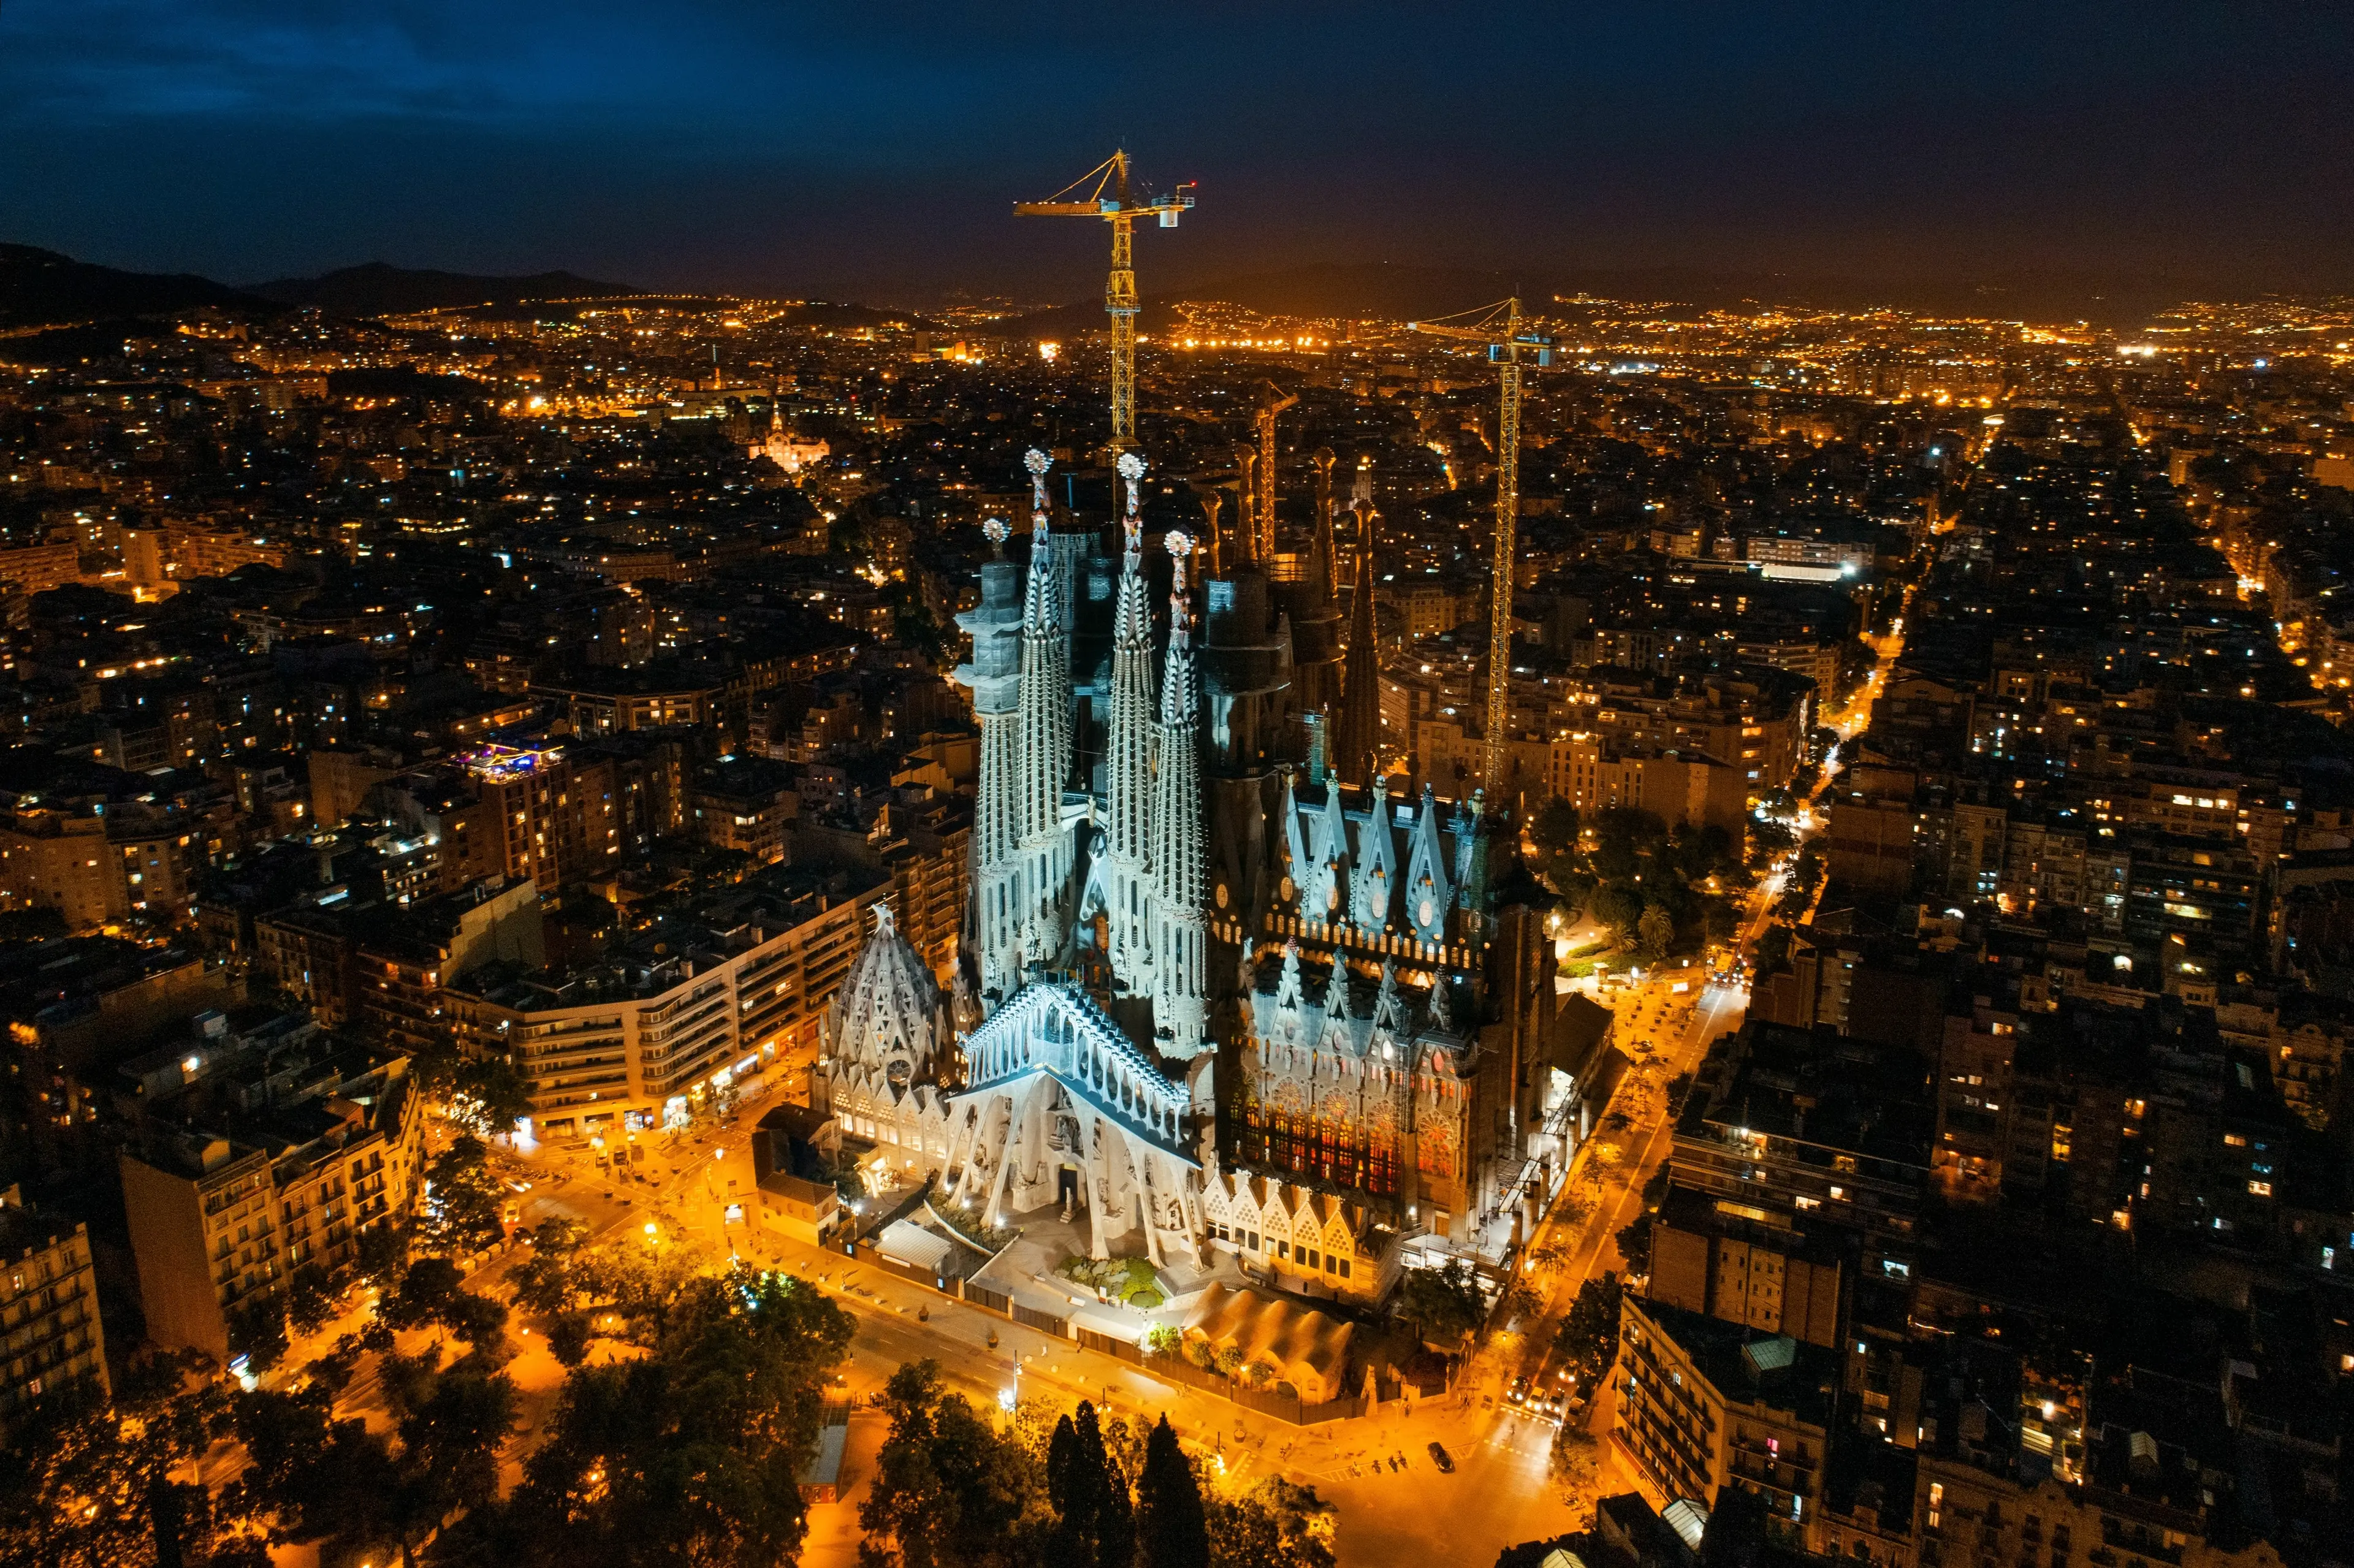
[[380, 288], [41, 287]]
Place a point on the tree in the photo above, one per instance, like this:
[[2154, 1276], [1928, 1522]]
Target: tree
[[1172, 1528], [463, 1213], [310, 1293], [1574, 1463], [1445, 1304], [257, 1331], [1634, 1244], [543, 1282], [949, 1490], [320, 1480], [1276, 1524], [426, 1292], [1588, 1340], [1618, 906], [568, 1339], [86, 1484], [1095, 1526], [1769, 837], [1553, 832], [692, 1454], [1656, 931], [383, 1257], [488, 1097]]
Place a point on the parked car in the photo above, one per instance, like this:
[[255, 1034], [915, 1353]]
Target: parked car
[[1438, 1457]]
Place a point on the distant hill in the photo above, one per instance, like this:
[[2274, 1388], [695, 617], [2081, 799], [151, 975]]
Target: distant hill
[[1383, 291], [40, 288], [379, 289]]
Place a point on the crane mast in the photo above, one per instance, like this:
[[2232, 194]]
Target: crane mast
[[1109, 200], [1263, 513], [1505, 350]]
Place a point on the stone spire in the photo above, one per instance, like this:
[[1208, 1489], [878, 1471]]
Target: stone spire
[[994, 676], [1359, 729], [1130, 743], [1179, 944], [1045, 734]]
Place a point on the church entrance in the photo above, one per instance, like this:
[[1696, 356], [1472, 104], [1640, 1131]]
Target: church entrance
[[1066, 1186]]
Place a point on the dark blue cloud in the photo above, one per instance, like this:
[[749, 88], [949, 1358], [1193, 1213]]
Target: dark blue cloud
[[874, 149]]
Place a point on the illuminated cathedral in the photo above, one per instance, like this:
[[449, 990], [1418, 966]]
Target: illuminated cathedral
[[1210, 995]]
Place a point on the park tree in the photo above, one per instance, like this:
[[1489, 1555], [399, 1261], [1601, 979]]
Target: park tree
[[349, 1491], [950, 1490], [1552, 836], [543, 1282], [1095, 1520], [690, 1455], [1277, 1524], [1655, 932], [1618, 906], [568, 1338], [1445, 1304], [1172, 1527]]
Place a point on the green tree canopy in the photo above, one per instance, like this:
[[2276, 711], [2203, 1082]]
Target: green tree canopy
[[690, 1455], [1172, 1527], [463, 1207], [1445, 1304], [949, 1492], [1588, 1340]]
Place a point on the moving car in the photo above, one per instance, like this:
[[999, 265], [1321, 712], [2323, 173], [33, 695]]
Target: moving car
[[1439, 1457]]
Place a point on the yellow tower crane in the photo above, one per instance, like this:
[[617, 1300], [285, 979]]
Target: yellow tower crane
[[1502, 328], [1109, 200], [1263, 511]]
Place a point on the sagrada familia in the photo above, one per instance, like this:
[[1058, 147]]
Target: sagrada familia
[[1211, 992]]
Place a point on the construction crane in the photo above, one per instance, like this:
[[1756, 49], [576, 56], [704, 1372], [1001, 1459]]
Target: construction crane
[[1262, 512], [1503, 329], [1109, 200]]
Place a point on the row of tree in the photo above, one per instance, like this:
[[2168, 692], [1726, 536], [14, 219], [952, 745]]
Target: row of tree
[[954, 1489]]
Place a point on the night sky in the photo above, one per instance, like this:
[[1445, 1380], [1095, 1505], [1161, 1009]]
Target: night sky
[[872, 151]]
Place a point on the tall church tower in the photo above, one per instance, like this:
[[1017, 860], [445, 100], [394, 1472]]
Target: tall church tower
[[1132, 744], [1179, 946], [1044, 852], [1360, 726], [994, 676]]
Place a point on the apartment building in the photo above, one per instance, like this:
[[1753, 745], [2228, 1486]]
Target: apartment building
[[266, 1178], [658, 1027], [50, 1338], [1705, 1404]]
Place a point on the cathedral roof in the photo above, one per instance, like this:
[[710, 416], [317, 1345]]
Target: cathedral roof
[[1054, 1027]]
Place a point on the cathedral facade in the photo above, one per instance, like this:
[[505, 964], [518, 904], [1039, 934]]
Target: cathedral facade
[[1209, 994]]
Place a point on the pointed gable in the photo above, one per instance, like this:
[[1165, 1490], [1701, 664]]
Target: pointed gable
[[1376, 888], [1428, 891]]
